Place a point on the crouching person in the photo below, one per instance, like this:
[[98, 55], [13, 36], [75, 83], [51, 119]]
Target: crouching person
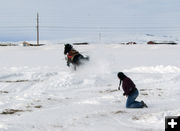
[[130, 91]]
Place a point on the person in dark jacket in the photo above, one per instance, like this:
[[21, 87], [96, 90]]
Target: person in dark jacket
[[130, 91]]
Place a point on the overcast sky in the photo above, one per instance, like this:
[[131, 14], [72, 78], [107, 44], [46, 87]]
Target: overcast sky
[[18, 17]]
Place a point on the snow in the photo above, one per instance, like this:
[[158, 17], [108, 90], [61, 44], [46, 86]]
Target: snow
[[51, 96]]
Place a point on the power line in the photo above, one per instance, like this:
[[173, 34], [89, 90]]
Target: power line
[[94, 27]]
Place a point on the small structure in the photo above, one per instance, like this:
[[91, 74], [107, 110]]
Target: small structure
[[7, 44], [26, 43], [129, 43], [29, 44], [81, 43], [153, 43]]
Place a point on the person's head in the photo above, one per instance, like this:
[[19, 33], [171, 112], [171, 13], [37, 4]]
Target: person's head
[[67, 48], [121, 75]]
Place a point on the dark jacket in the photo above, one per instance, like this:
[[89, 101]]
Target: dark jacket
[[128, 86]]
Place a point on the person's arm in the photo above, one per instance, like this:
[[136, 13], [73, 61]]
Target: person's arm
[[125, 91], [125, 87], [129, 86], [68, 61]]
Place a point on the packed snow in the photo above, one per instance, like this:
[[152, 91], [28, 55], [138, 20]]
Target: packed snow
[[38, 92]]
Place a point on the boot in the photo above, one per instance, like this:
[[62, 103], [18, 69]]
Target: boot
[[144, 104]]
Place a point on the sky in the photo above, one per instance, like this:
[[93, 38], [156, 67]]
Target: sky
[[62, 19]]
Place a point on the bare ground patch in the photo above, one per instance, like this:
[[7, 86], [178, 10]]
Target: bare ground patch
[[119, 112], [135, 118], [145, 94], [18, 81], [38, 106], [4, 92], [11, 111], [108, 91]]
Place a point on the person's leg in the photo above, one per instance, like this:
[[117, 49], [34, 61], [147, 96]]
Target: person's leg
[[77, 59], [131, 103]]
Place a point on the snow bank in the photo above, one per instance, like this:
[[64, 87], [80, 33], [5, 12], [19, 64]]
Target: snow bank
[[154, 69]]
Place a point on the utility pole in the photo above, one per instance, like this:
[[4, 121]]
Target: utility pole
[[37, 29], [100, 36]]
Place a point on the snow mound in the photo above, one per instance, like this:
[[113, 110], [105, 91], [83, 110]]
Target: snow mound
[[154, 69]]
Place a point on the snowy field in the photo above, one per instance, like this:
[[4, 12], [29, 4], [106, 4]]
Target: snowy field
[[38, 92]]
